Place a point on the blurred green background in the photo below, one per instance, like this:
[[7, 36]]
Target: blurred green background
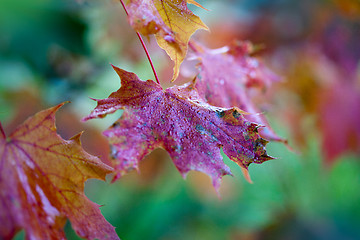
[[53, 51]]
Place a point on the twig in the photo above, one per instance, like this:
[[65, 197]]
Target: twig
[[144, 47], [191, 45], [2, 132]]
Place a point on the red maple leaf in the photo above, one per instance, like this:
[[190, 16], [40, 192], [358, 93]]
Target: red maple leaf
[[338, 120], [177, 120]]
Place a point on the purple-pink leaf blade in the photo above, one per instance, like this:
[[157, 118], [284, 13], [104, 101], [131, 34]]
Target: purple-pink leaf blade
[[177, 120], [227, 77]]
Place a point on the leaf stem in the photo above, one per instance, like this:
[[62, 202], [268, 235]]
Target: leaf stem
[[2, 133], [195, 47], [144, 47], [191, 45]]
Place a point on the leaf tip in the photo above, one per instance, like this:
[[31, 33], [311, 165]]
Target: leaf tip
[[118, 70], [246, 174], [216, 182], [193, 2], [115, 178], [184, 174], [191, 85], [240, 111], [84, 119], [50, 113], [288, 146], [76, 138], [125, 76], [176, 73], [55, 108], [113, 66]]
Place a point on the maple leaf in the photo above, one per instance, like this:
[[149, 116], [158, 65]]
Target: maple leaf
[[325, 89], [338, 120], [42, 181], [226, 76], [176, 119], [170, 20]]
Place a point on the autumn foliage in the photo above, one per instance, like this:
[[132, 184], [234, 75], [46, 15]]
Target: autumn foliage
[[179, 121], [213, 115], [42, 180], [42, 175]]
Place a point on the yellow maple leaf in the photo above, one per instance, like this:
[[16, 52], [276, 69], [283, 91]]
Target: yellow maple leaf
[[170, 20]]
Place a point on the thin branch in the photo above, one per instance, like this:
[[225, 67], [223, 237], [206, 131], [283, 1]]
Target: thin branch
[[191, 45], [195, 47], [144, 47], [149, 58]]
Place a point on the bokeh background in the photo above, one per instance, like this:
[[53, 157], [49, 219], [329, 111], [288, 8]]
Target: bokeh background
[[54, 51]]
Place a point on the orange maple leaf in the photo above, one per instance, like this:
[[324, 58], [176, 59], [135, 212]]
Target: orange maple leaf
[[42, 180], [171, 22]]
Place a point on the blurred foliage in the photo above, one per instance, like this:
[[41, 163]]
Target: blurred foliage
[[53, 51]]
